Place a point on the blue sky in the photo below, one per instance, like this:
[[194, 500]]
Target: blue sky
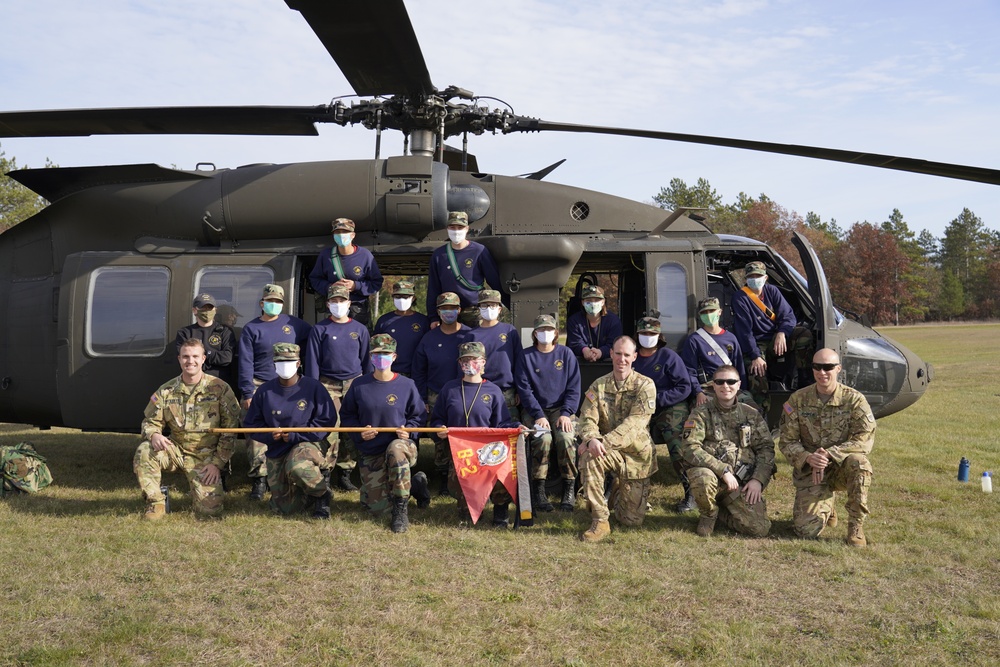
[[915, 79]]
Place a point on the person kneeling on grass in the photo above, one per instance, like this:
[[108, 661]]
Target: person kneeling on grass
[[187, 405], [730, 457], [298, 473], [384, 398]]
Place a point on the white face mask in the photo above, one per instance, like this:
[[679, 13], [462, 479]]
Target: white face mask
[[402, 303], [457, 235], [286, 369], [646, 340], [593, 307], [756, 282], [491, 313], [339, 308], [546, 337]]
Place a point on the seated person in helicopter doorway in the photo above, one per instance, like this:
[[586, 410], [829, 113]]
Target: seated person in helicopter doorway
[[591, 332]]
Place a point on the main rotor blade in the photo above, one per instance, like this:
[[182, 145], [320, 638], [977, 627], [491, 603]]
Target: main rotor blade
[[164, 120], [956, 171], [372, 42]]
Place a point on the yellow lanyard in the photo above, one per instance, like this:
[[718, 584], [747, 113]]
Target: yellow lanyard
[[468, 410]]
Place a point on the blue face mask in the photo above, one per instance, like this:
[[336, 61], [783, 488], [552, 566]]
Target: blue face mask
[[343, 240], [756, 283], [382, 362], [272, 308], [448, 316]]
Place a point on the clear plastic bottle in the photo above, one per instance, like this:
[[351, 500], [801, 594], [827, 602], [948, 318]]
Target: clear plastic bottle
[[987, 482]]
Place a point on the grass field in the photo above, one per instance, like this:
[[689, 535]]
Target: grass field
[[86, 582]]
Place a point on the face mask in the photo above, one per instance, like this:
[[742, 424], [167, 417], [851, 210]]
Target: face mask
[[382, 362], [491, 313], [448, 316], [457, 235], [473, 367], [593, 307], [709, 319], [343, 240], [402, 304], [648, 341], [272, 308], [286, 369], [546, 337], [339, 308], [206, 316], [756, 283]]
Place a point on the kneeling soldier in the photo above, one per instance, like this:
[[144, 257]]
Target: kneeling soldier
[[187, 405], [731, 457], [384, 398], [297, 471]]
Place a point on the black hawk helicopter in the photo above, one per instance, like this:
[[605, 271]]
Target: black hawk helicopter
[[97, 283]]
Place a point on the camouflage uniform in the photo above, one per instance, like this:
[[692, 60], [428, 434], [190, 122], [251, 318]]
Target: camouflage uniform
[[388, 474], [210, 403], [717, 440], [619, 418], [297, 478], [845, 427]]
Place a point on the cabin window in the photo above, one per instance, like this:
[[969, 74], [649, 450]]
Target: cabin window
[[236, 286], [127, 311], [672, 298]]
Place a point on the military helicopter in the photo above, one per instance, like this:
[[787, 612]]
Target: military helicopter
[[98, 282]]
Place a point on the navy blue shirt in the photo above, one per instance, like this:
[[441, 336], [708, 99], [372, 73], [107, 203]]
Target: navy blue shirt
[[337, 350], [305, 403], [479, 404], [406, 330], [257, 343], [579, 334], [359, 266], [503, 352], [750, 324], [697, 353], [436, 360], [549, 380], [668, 372], [372, 402], [475, 264]]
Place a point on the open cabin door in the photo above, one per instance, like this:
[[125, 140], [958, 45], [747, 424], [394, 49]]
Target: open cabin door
[[673, 279], [827, 330]]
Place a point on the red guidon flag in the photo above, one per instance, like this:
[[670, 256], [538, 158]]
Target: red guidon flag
[[483, 457]]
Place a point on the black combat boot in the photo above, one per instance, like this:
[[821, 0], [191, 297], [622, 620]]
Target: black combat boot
[[400, 522], [540, 500], [344, 482], [568, 496], [419, 490], [258, 488], [686, 504], [501, 513], [321, 504]]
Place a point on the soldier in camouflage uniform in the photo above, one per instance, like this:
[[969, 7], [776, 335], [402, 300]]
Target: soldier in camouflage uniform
[[827, 432], [386, 399], [298, 473], [731, 457], [614, 437], [186, 406]]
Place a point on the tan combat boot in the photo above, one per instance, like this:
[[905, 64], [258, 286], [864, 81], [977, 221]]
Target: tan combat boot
[[598, 531], [155, 511], [832, 521], [706, 524], [856, 535]]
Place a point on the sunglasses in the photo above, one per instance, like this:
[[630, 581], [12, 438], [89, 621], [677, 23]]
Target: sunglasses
[[824, 367], [721, 381]]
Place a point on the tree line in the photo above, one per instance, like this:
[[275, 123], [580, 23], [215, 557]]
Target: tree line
[[885, 271]]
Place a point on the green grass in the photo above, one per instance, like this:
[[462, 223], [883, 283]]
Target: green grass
[[86, 582]]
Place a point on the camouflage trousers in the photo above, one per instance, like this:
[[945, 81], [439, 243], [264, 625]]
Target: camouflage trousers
[[256, 451], [387, 475], [149, 466], [442, 453], [730, 506], [814, 503], [628, 496], [666, 427], [296, 475], [541, 448], [341, 451], [793, 371]]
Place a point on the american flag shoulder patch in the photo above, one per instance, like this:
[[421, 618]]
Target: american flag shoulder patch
[[788, 408], [154, 398], [591, 395], [689, 423]]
